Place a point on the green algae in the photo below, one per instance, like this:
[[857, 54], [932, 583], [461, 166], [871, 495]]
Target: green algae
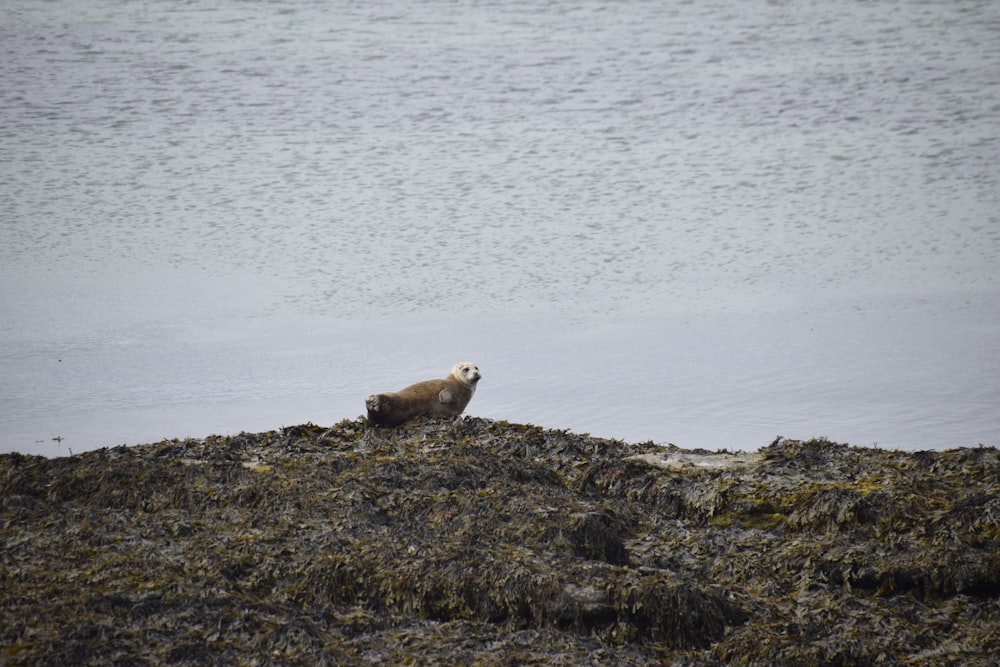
[[485, 542]]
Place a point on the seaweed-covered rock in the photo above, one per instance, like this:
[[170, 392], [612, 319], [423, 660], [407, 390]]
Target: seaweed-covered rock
[[485, 542]]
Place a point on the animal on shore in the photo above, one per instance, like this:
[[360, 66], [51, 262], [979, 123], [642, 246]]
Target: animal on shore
[[445, 397]]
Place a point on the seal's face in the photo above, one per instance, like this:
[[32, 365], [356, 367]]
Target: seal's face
[[467, 372]]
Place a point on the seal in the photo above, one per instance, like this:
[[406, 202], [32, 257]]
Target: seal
[[446, 397]]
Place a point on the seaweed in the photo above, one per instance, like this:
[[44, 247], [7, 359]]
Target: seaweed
[[475, 541]]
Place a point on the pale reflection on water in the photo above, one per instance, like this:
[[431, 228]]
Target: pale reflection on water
[[885, 375]]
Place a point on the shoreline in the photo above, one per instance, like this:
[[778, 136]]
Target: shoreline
[[481, 541]]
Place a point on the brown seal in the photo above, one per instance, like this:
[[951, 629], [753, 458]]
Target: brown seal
[[446, 397]]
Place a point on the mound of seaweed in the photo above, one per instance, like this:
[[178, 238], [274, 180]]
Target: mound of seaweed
[[479, 542]]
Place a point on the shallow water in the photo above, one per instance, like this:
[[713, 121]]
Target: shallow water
[[699, 223]]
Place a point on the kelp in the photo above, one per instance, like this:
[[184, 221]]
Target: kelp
[[484, 542]]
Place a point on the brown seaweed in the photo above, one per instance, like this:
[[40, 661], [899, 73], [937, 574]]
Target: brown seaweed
[[484, 542]]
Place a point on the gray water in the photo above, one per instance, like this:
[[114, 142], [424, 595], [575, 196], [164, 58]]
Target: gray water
[[699, 223]]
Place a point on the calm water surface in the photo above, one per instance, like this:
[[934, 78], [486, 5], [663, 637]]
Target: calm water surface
[[700, 223]]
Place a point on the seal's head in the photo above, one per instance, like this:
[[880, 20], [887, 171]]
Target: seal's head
[[467, 373]]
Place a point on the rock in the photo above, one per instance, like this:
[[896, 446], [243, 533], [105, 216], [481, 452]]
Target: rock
[[478, 541]]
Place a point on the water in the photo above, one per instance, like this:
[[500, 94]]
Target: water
[[706, 224]]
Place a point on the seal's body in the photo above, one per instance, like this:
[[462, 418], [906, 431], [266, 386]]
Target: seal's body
[[446, 397]]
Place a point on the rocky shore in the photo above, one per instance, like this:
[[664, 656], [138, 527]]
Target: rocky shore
[[477, 542]]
